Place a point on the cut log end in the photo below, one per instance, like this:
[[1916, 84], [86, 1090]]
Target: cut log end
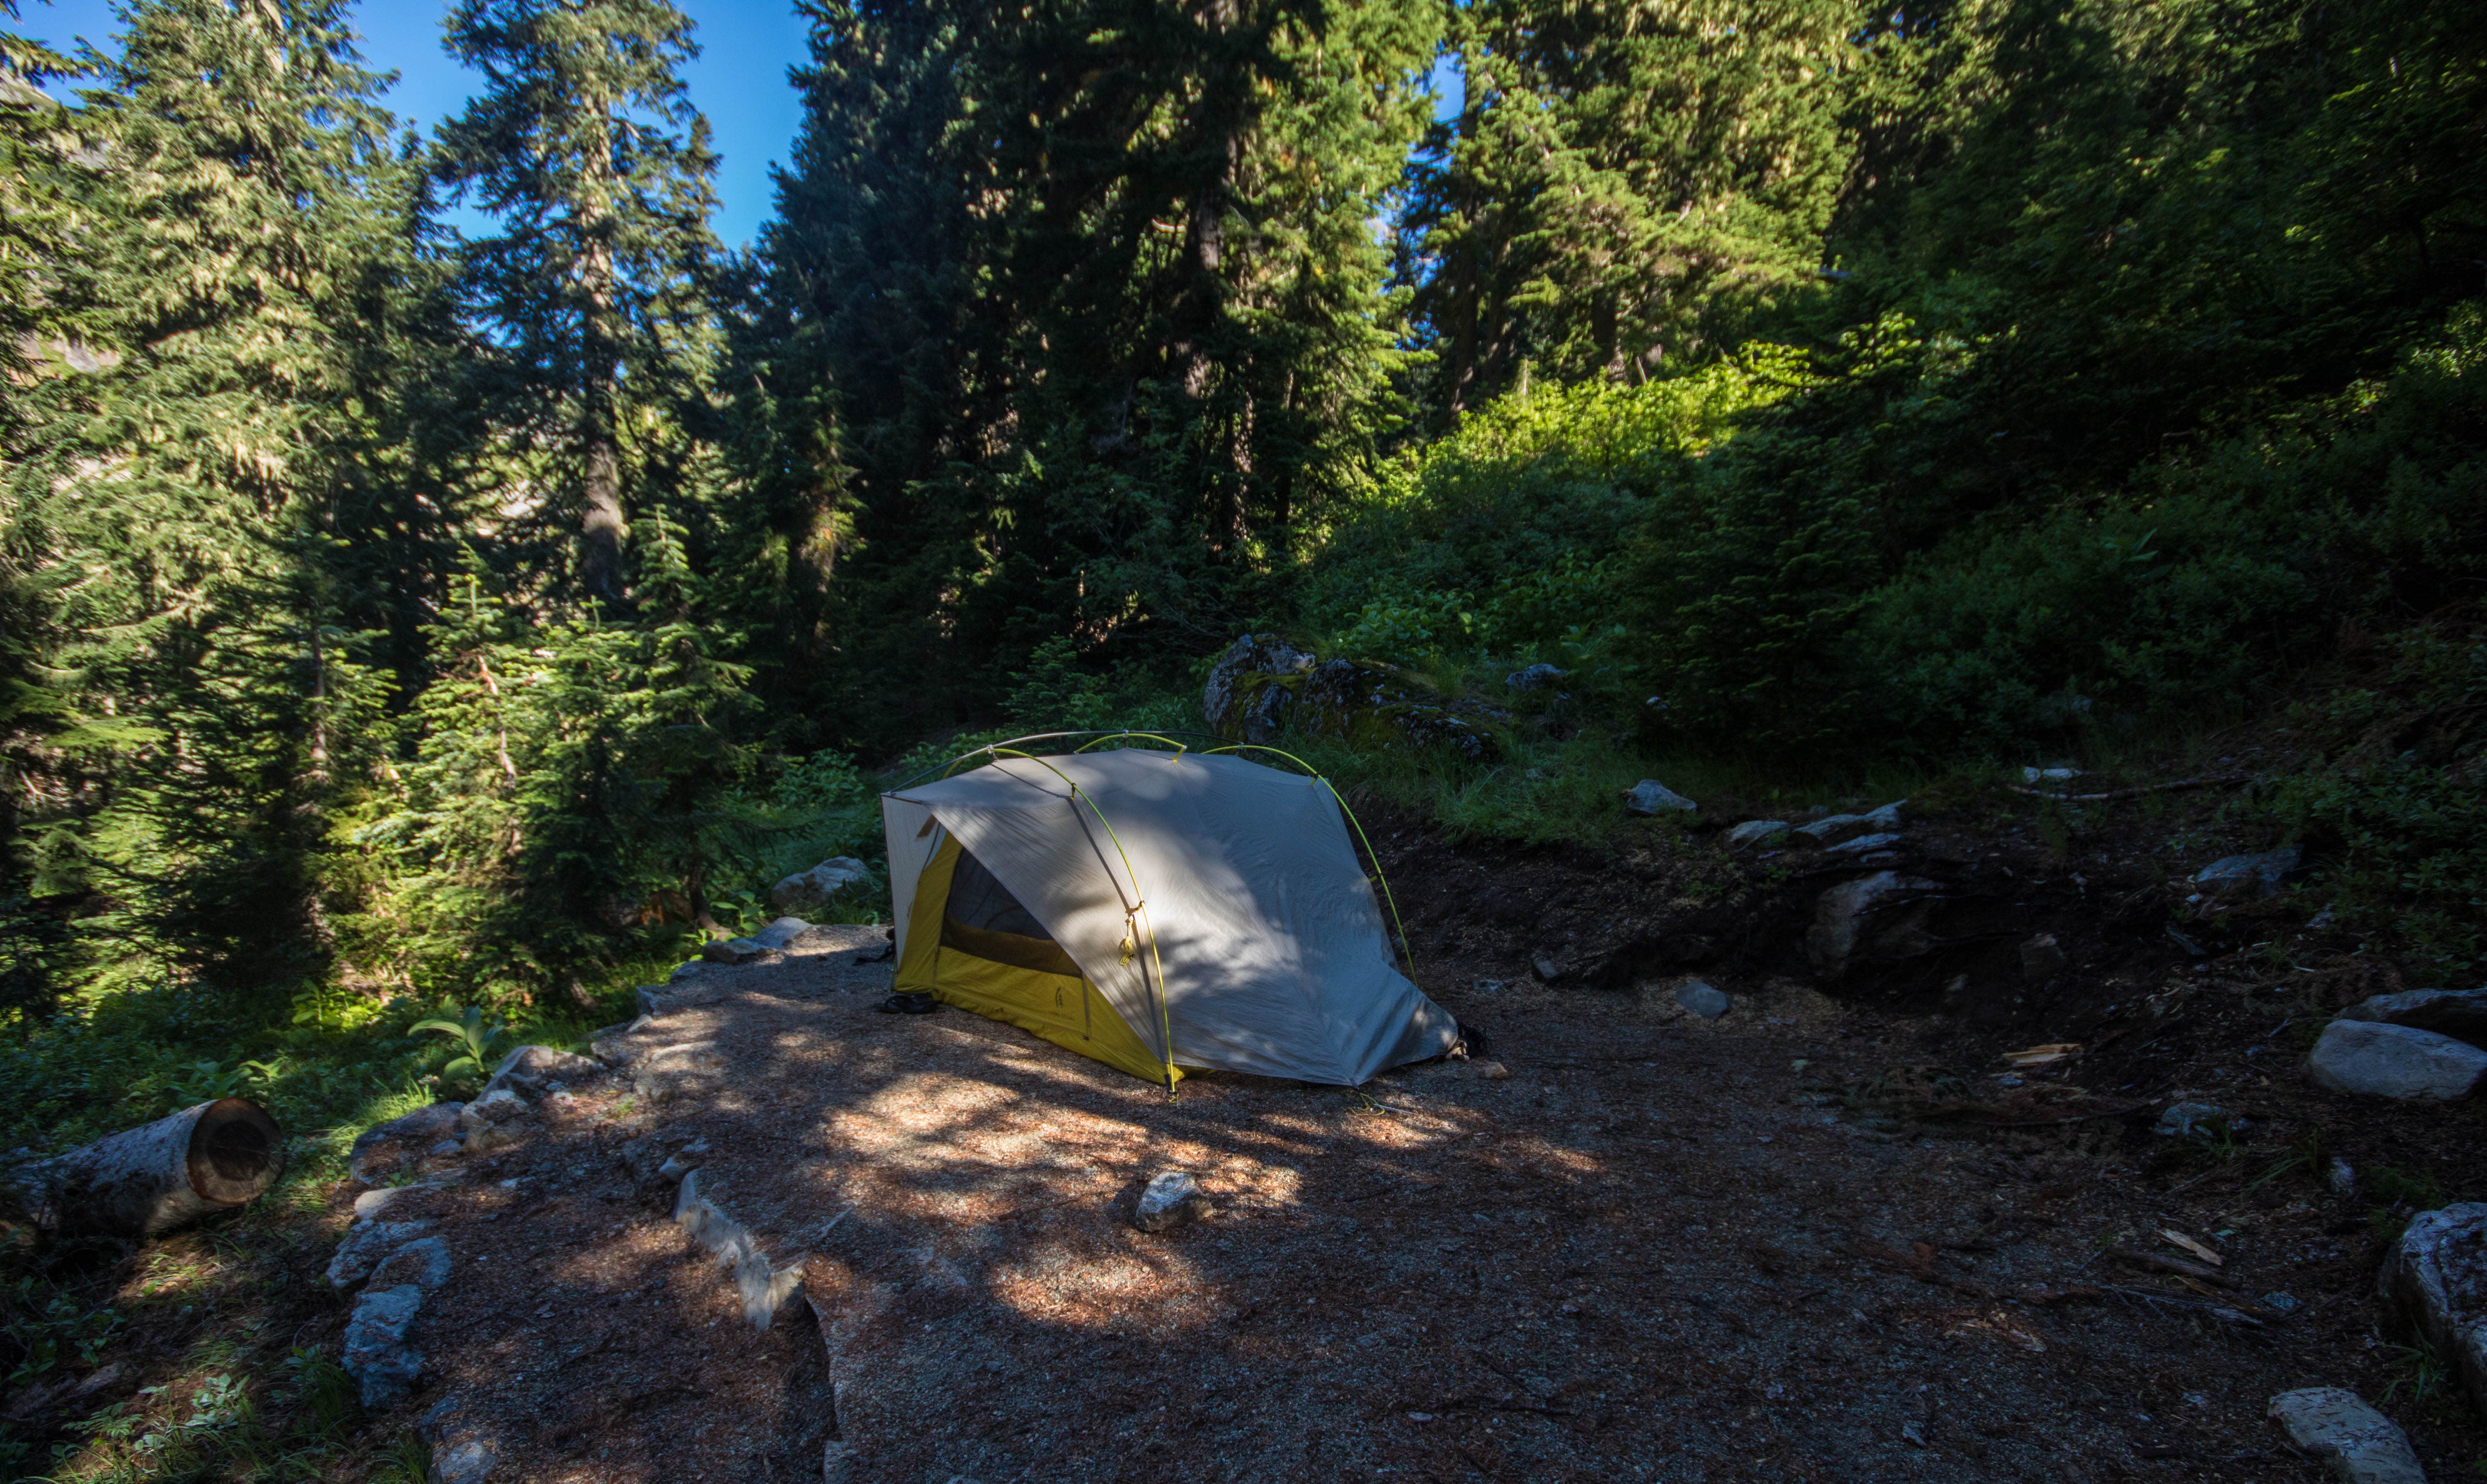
[[236, 1153]]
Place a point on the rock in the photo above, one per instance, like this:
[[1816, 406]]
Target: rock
[[781, 934], [447, 1149], [1547, 970], [1172, 1200], [423, 1262], [838, 1462], [2049, 774], [1704, 1001], [618, 1046], [1753, 832], [670, 1071], [1535, 676], [2357, 1442], [1238, 701], [2393, 1061], [2042, 958], [371, 1205], [2341, 1176], [383, 1147], [2181, 1119], [1377, 708], [2461, 1014], [366, 1244], [1839, 827], [815, 890], [2436, 1276], [468, 1462], [378, 1356], [490, 1121], [1860, 844], [1881, 915], [530, 1070], [732, 950], [2281, 1304], [1650, 796], [2238, 876]]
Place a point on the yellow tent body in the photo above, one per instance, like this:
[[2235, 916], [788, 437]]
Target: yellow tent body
[[1024, 981]]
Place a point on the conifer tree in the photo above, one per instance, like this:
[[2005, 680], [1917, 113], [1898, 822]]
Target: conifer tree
[[1618, 175], [184, 478], [594, 298]]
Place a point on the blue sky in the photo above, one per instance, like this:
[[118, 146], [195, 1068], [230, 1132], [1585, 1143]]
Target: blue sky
[[740, 80]]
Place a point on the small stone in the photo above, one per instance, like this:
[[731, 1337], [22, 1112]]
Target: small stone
[[1651, 796], [2436, 1276], [2258, 875], [2280, 1303], [1546, 969], [732, 950], [2181, 1119], [377, 1355], [1172, 1199], [2341, 1176], [1753, 832], [817, 890], [2357, 1443], [2382, 1060], [469, 1463], [1863, 844], [370, 1203], [2461, 1014], [530, 1070], [1836, 828], [366, 1244], [382, 1147], [424, 1263], [1489, 986], [2049, 774], [2042, 958], [781, 934], [1704, 1001]]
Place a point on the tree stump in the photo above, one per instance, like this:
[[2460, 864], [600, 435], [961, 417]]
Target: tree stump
[[153, 1178]]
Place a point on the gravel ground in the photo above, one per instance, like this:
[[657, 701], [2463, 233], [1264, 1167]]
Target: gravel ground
[[1635, 1245]]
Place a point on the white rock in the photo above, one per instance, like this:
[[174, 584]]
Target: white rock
[[469, 1463], [366, 1244], [2461, 1014], [1707, 1001], [732, 950], [2393, 1061], [2436, 1274], [2342, 1177], [2181, 1119], [530, 1070], [1753, 832], [2237, 876], [2357, 1443], [781, 934], [1651, 796], [378, 1356], [1844, 915], [1860, 844], [815, 890], [1172, 1199]]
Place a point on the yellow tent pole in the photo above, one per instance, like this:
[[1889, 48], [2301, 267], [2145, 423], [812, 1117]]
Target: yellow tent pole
[[1135, 915]]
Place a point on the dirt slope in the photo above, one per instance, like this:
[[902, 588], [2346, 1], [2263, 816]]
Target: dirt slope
[[1658, 1249]]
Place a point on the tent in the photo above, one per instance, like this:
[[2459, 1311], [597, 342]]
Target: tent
[[1156, 911]]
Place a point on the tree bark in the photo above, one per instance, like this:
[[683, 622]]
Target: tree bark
[[153, 1178]]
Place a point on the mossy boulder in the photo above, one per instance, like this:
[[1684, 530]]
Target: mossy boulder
[[1263, 686]]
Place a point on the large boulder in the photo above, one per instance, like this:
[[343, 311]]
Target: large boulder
[[1376, 709], [812, 892], [2436, 1276], [2356, 1443], [2461, 1014], [2382, 1060], [1881, 916], [1240, 701]]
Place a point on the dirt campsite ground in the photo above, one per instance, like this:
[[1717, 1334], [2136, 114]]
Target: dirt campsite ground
[[1818, 1238]]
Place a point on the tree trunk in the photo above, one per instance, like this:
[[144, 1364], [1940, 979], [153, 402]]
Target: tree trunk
[[600, 526], [153, 1178]]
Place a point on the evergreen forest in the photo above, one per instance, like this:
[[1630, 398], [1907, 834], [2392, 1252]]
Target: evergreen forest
[[401, 614]]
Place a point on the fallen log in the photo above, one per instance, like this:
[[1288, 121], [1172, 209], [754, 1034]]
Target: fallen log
[[153, 1178]]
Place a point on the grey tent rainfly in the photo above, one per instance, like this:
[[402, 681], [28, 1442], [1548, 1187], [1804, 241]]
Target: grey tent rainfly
[[1157, 910]]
